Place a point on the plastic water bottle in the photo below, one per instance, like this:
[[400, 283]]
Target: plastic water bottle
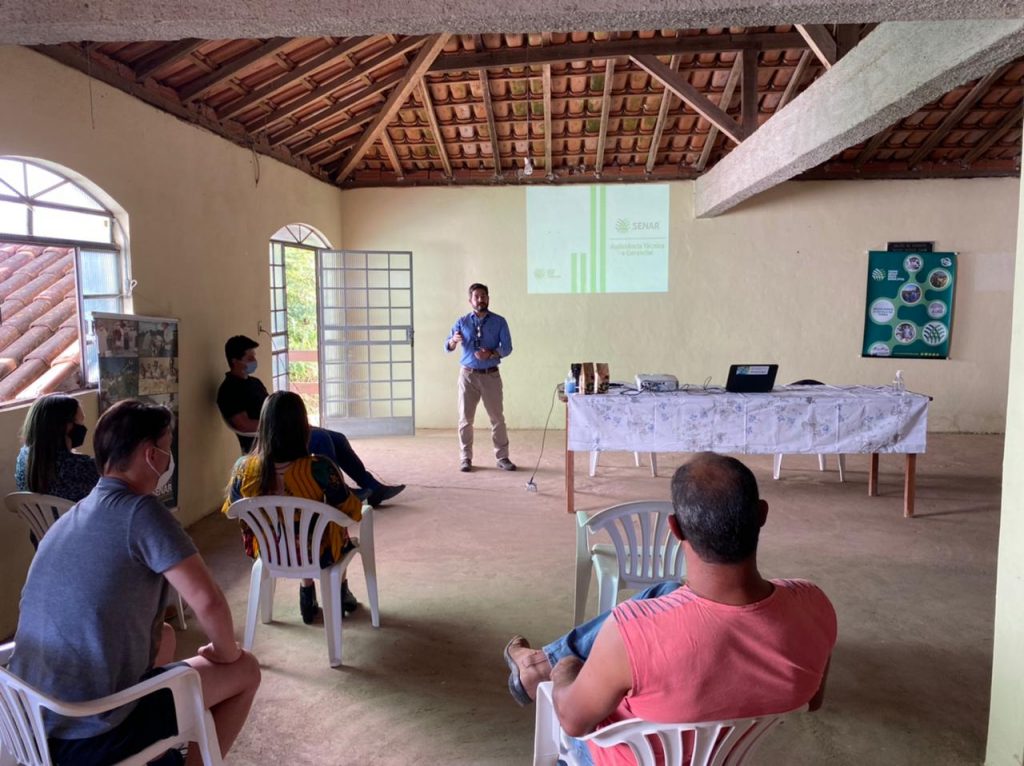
[[897, 383], [570, 384]]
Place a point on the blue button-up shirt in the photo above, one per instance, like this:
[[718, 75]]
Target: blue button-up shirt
[[490, 332]]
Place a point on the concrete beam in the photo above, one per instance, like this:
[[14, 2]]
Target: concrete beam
[[897, 69], [53, 21]]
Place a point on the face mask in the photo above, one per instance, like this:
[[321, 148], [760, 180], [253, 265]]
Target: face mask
[[77, 434], [250, 368], [165, 477]]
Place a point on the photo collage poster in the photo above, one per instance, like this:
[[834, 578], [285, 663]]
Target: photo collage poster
[[909, 307], [138, 359]]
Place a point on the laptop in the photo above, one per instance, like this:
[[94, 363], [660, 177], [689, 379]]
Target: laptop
[[751, 378]]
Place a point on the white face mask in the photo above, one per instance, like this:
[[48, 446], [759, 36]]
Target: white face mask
[[165, 477]]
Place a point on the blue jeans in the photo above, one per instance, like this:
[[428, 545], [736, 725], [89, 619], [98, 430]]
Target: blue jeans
[[580, 640], [336, 446]]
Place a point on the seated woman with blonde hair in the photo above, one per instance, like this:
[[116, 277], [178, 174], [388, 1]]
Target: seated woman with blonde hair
[[281, 464]]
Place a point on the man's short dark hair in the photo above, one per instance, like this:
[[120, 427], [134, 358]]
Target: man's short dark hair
[[236, 347], [477, 286], [122, 428], [718, 507]]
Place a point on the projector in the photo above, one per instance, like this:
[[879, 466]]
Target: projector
[[656, 382]]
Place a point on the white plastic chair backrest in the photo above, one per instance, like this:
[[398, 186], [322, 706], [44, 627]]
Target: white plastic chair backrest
[[645, 547], [288, 531], [713, 743], [23, 734], [38, 511]]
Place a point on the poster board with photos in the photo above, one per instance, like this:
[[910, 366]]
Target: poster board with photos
[[138, 359], [909, 305]]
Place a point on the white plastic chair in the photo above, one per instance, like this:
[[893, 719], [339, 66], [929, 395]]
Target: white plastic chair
[[41, 511], [777, 463], [714, 743], [23, 736], [631, 560], [288, 531], [594, 454]]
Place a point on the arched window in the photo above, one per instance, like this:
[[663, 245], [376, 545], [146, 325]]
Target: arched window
[[63, 255]]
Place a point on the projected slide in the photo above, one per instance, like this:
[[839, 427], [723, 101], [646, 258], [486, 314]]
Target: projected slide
[[597, 239]]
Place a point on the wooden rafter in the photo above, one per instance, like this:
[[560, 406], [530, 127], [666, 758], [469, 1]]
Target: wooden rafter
[[659, 125], [428, 108], [1010, 121], [311, 144], [338, 107], [693, 97], [819, 40], [956, 115], [424, 57], [723, 104], [794, 80], [748, 91], [548, 170], [334, 83], [332, 153], [389, 150], [145, 66], [872, 146], [606, 104], [560, 54], [492, 131], [198, 87], [290, 77]]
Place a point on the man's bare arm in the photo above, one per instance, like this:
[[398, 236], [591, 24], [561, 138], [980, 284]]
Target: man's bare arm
[[587, 693], [192, 579]]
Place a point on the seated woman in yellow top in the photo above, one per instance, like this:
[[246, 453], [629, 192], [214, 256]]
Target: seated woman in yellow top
[[280, 464]]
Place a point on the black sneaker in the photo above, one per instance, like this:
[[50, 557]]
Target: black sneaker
[[384, 493], [307, 603], [348, 600]]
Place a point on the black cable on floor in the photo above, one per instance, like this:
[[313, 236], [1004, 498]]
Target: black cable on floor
[[529, 483]]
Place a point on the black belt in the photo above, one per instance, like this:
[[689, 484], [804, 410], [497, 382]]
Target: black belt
[[485, 371]]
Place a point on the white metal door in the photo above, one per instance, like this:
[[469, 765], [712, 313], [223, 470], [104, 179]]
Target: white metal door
[[366, 342]]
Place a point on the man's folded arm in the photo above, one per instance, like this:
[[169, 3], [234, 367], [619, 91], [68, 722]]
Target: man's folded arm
[[587, 693]]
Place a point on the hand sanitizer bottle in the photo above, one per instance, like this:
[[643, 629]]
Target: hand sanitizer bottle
[[570, 384], [897, 383]]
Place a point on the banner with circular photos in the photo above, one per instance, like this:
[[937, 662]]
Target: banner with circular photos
[[909, 304], [138, 359]]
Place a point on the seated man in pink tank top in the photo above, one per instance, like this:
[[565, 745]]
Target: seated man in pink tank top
[[726, 644]]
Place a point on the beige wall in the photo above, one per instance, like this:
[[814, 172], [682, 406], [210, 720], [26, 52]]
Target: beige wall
[[199, 225], [782, 278]]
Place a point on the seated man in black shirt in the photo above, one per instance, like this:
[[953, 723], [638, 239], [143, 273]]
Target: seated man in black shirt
[[240, 399]]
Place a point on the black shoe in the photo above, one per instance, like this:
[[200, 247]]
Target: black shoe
[[348, 600], [384, 493], [307, 603], [466, 466], [506, 465]]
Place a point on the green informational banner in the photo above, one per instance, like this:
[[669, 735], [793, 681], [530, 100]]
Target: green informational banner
[[909, 304]]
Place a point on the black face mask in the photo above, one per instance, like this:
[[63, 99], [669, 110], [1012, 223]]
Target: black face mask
[[77, 434]]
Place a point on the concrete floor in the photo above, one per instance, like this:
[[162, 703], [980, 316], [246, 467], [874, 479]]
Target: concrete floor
[[466, 560]]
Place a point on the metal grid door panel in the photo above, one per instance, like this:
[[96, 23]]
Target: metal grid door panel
[[278, 318], [366, 337]]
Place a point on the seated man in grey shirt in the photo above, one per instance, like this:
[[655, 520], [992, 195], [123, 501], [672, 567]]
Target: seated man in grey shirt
[[91, 610]]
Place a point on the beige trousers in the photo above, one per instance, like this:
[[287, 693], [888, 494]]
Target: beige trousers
[[474, 386]]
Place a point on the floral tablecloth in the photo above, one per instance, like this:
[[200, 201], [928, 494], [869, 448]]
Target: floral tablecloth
[[790, 419]]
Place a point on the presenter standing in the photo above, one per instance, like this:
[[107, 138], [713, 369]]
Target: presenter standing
[[485, 340]]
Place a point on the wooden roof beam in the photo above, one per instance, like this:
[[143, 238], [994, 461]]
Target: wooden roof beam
[[693, 97], [290, 77], [606, 103], [205, 83], [820, 41], [659, 125], [660, 46], [1010, 121], [748, 91], [723, 104], [548, 170], [168, 54], [794, 80], [389, 150], [956, 115], [335, 83], [424, 58], [428, 108], [492, 131], [872, 146]]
